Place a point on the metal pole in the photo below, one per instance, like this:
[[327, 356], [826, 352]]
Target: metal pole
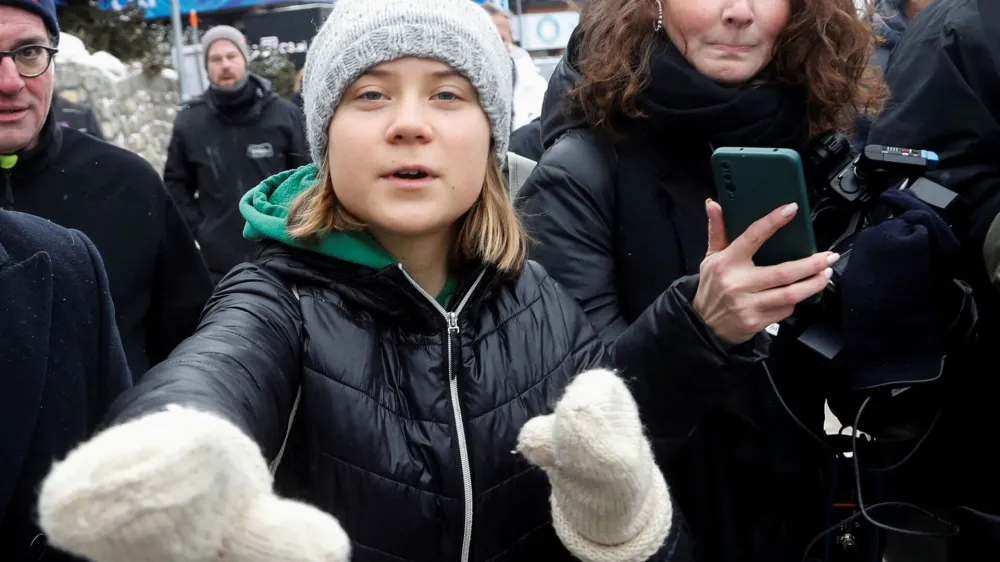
[[175, 21], [520, 21]]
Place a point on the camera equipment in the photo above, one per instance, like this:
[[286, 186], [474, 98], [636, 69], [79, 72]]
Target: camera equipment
[[846, 189], [846, 186]]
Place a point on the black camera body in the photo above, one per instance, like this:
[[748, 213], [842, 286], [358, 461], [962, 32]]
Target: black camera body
[[845, 186]]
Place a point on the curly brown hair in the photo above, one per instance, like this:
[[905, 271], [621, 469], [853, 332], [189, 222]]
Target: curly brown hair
[[825, 47]]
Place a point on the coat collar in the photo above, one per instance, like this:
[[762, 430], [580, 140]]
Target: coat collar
[[31, 162]]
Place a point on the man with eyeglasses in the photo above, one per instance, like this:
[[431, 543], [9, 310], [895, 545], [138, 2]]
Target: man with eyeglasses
[[159, 282], [61, 356]]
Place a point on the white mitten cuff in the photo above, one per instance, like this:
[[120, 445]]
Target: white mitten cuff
[[656, 514]]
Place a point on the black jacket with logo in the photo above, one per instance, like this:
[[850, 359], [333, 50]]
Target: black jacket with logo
[[217, 154]]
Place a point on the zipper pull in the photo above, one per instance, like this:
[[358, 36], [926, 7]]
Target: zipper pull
[[452, 318]]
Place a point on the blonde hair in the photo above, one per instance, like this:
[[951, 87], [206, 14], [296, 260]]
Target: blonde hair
[[490, 231]]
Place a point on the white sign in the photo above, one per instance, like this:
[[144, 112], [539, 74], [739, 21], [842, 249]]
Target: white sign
[[273, 44], [550, 30]]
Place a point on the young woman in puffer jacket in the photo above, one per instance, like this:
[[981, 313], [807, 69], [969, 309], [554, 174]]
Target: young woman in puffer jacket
[[423, 392]]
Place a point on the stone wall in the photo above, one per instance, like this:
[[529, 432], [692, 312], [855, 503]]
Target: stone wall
[[136, 110]]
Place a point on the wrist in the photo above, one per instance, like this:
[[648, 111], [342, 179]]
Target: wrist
[[690, 295]]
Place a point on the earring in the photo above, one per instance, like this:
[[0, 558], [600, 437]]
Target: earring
[[659, 20]]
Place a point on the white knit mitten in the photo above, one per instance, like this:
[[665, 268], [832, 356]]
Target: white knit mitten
[[609, 500], [179, 486]]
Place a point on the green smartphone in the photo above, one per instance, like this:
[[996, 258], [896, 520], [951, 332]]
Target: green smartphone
[[752, 182]]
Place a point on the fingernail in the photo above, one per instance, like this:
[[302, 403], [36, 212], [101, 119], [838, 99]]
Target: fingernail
[[833, 258], [789, 209], [828, 273]]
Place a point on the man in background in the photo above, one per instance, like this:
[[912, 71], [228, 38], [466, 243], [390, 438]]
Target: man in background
[[158, 280], [224, 143]]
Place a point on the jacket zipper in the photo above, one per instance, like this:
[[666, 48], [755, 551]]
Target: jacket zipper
[[463, 448]]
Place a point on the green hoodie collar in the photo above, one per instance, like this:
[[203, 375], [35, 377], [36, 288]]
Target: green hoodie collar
[[265, 209]]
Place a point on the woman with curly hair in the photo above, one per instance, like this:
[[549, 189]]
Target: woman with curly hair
[[622, 213]]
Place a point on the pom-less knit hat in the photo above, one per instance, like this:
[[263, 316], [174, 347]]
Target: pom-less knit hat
[[229, 34], [361, 34], [44, 9]]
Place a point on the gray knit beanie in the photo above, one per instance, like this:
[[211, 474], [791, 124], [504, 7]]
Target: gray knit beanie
[[228, 33], [361, 34]]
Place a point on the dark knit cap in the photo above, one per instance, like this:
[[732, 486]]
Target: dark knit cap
[[45, 9]]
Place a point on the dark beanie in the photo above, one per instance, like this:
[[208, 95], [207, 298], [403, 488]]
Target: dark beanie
[[45, 9]]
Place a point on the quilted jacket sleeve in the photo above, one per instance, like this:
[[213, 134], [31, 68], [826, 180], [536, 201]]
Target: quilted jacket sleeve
[[243, 362]]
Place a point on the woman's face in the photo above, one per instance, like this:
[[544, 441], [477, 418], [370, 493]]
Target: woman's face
[[729, 41], [409, 145]]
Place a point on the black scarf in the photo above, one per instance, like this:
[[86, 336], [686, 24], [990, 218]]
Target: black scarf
[[236, 101], [683, 103]]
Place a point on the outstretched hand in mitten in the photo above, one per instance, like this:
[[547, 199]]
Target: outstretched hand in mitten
[[179, 486], [609, 499]]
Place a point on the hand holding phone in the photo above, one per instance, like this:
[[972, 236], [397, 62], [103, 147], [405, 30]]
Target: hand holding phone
[[738, 299]]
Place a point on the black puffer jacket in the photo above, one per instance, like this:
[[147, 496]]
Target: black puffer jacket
[[621, 224], [375, 441]]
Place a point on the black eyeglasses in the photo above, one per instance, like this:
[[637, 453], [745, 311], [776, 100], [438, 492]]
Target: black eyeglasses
[[31, 60]]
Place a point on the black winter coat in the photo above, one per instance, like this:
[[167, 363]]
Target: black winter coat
[[158, 280], [393, 390], [621, 224], [217, 154], [61, 366]]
